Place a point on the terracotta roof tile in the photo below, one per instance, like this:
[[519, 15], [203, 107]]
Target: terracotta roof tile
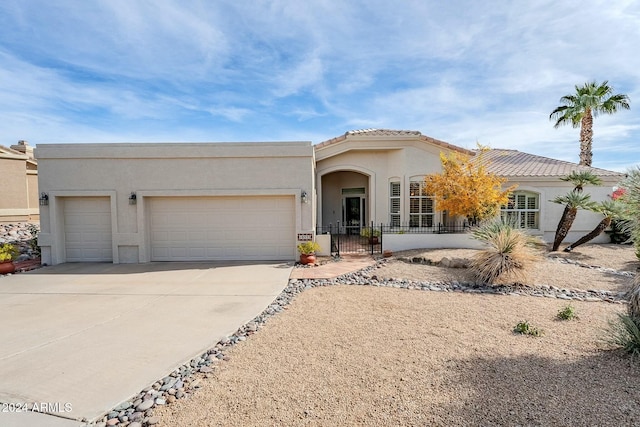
[[391, 133], [508, 163]]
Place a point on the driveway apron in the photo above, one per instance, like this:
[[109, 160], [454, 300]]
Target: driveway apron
[[78, 339]]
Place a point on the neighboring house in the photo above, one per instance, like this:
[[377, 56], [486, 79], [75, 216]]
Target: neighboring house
[[255, 201], [19, 189]]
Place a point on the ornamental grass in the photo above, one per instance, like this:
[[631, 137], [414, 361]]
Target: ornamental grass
[[509, 255]]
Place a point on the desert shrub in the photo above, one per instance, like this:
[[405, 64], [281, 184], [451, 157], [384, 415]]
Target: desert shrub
[[509, 255], [624, 330], [525, 328], [33, 242], [567, 313]]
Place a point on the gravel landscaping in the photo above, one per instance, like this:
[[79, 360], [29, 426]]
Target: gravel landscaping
[[343, 353]]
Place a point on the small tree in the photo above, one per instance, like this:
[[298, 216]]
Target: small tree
[[465, 188]]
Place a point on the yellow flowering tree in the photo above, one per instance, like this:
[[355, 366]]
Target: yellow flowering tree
[[465, 188]]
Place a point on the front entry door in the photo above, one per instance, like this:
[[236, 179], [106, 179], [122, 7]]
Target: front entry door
[[353, 214]]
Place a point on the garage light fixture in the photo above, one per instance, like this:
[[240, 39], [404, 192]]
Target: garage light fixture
[[303, 197], [133, 199], [44, 199]]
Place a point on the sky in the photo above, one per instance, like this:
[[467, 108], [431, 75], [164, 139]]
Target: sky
[[465, 72]]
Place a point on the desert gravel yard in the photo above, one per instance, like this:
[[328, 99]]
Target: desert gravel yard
[[360, 355]]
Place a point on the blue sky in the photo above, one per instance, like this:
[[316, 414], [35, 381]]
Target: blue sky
[[460, 71]]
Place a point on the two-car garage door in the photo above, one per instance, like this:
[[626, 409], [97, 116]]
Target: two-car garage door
[[188, 228], [221, 228]]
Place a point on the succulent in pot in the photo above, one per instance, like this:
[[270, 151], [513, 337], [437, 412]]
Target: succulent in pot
[[8, 253], [308, 252]]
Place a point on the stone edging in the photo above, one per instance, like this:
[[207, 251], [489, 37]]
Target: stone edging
[[184, 380]]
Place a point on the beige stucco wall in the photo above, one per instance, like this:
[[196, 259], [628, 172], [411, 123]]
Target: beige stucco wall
[[383, 163], [19, 189], [205, 169], [550, 213], [14, 184]]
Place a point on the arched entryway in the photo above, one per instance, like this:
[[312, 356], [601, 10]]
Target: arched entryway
[[345, 209]]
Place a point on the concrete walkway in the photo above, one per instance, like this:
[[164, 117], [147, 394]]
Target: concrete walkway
[[82, 338]]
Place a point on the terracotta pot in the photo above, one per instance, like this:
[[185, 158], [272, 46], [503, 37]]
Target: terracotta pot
[[7, 267], [307, 259]]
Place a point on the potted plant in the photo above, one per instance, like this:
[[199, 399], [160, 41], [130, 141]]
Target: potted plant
[[7, 253], [371, 233], [308, 252]]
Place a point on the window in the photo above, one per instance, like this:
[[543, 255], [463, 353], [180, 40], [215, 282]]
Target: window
[[421, 206], [394, 204], [523, 208]]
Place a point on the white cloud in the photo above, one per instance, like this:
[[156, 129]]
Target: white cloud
[[460, 71]]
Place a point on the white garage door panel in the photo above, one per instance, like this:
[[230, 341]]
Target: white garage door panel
[[87, 229], [222, 228]]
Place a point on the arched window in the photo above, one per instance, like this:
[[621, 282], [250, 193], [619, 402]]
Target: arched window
[[523, 208]]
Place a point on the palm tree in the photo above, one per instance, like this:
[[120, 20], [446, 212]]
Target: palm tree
[[572, 201], [610, 209], [581, 107], [580, 179]]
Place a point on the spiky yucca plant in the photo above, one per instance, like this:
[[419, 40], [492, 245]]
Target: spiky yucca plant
[[509, 255]]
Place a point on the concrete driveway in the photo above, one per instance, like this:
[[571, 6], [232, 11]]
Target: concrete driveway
[[82, 338]]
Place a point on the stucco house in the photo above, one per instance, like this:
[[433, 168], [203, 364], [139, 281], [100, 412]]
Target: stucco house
[[19, 189], [129, 203]]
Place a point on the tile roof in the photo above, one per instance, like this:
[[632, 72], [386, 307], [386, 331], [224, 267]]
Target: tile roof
[[508, 163], [391, 133], [502, 162], [383, 132]]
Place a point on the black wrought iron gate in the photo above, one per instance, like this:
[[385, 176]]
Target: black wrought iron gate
[[353, 239]]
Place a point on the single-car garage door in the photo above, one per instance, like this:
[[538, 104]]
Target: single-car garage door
[[87, 229], [222, 228]]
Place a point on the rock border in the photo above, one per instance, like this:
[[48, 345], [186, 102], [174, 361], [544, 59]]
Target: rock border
[[186, 379]]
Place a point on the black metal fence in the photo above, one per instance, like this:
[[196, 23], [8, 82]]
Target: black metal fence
[[368, 239], [457, 227]]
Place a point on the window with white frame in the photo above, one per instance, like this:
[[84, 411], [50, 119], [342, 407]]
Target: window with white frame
[[421, 206], [523, 208], [394, 204]]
